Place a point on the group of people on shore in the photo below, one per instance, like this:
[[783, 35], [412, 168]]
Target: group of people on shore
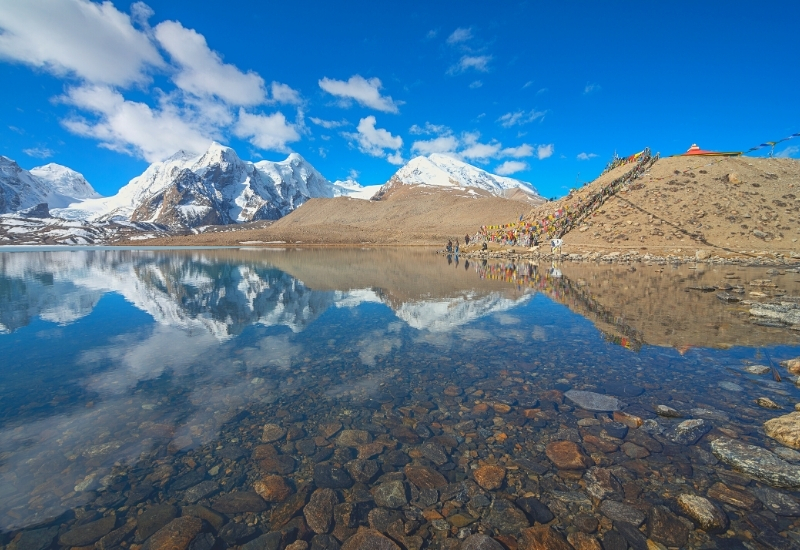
[[556, 225]]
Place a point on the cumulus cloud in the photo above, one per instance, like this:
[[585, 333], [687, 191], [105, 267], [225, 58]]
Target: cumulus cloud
[[283, 93], [365, 92], [201, 70], [519, 118], [466, 146], [481, 151], [441, 144], [77, 38], [522, 151], [511, 167], [459, 35], [476, 84], [545, 151], [132, 127], [376, 141], [475, 62], [586, 156], [271, 132]]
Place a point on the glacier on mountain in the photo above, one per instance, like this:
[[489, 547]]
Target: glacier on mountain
[[56, 185], [445, 171]]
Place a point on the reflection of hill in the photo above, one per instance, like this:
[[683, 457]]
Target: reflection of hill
[[654, 305], [223, 291]]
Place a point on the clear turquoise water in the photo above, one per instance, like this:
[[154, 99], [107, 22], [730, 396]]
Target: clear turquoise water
[[124, 367]]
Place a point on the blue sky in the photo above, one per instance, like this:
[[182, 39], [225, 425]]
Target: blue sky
[[543, 92]]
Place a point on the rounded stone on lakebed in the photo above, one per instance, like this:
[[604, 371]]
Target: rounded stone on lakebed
[[272, 432], [490, 477], [785, 429], [272, 488], [592, 401]]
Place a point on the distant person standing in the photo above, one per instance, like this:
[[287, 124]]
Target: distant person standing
[[456, 246], [449, 246], [466, 239]]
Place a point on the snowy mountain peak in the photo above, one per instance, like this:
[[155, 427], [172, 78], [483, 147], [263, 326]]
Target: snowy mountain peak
[[55, 185], [65, 181], [446, 171]]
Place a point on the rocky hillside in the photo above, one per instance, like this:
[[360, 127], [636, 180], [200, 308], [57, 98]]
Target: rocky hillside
[[715, 205]]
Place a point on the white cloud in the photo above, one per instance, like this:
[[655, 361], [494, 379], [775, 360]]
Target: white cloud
[[396, 158], [431, 129], [589, 88], [520, 117], [586, 156], [461, 34], [283, 93], [78, 38], [522, 151], [528, 84], [476, 84], [38, 152], [202, 71], [328, 123], [441, 144], [375, 141], [134, 128], [467, 62], [545, 151], [481, 151], [366, 92], [432, 34], [466, 147], [270, 132], [792, 151], [511, 167]]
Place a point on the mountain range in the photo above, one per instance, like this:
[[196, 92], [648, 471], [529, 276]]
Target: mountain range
[[218, 188]]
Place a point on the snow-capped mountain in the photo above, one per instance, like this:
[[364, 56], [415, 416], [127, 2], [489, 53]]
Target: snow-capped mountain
[[445, 171], [65, 181], [215, 188], [53, 184]]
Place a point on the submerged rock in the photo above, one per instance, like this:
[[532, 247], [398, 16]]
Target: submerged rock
[[592, 401], [785, 429], [490, 477], [689, 432], [369, 539], [707, 514], [567, 455], [757, 462]]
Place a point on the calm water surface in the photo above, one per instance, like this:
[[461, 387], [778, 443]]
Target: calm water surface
[[424, 395]]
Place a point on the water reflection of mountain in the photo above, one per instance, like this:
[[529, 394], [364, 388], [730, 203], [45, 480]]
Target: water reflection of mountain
[[659, 305], [224, 291]]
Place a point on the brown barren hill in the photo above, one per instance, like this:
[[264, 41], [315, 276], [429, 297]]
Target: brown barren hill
[[406, 215], [722, 206]]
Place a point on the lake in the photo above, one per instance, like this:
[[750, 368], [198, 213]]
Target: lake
[[277, 397]]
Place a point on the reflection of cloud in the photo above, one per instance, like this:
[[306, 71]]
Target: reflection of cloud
[[137, 359], [505, 319], [274, 351], [379, 342]]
